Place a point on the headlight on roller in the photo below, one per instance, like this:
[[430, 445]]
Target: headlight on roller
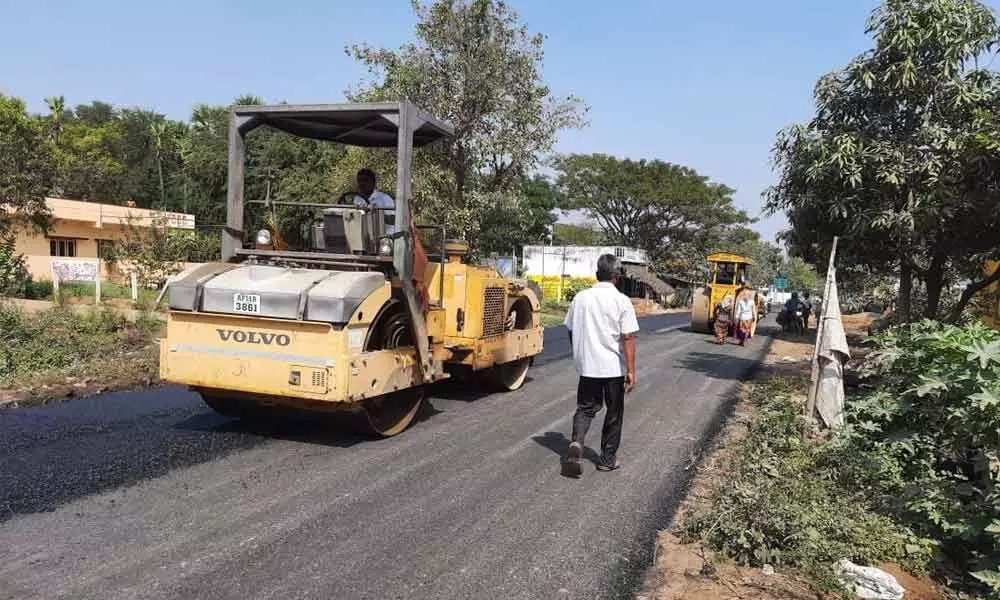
[[385, 246], [263, 237]]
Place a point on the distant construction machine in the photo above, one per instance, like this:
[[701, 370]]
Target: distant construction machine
[[360, 320], [724, 276]]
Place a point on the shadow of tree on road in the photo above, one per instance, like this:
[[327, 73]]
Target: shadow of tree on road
[[719, 365]]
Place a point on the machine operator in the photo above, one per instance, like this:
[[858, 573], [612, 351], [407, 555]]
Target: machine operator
[[369, 196]]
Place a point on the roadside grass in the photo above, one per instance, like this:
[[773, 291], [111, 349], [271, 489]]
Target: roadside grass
[[59, 348], [84, 292], [909, 484], [553, 313], [786, 504]]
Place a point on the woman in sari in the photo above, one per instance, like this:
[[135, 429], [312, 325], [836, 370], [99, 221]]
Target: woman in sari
[[723, 319], [746, 314]]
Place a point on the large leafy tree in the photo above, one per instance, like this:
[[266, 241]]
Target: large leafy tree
[[900, 157], [507, 228], [88, 164], [473, 63], [26, 167], [767, 259], [204, 151], [570, 234], [671, 211]]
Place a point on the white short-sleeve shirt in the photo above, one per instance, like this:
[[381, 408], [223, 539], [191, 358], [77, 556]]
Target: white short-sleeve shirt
[[598, 317], [380, 199]]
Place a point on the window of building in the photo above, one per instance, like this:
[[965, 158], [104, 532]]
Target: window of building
[[620, 252], [106, 249], [61, 247]]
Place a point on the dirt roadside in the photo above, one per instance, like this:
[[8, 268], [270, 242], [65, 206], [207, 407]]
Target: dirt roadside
[[691, 571]]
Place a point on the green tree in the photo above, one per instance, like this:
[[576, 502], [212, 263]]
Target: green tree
[[204, 152], [801, 275], [900, 158], [507, 228], [95, 113], [26, 167], [88, 166], [476, 65], [767, 258], [568, 234], [671, 211], [150, 152], [57, 109]]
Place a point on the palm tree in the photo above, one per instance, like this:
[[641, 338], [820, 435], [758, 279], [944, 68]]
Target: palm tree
[[57, 106], [158, 130]]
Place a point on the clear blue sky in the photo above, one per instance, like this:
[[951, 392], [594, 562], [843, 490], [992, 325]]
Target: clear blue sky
[[705, 85]]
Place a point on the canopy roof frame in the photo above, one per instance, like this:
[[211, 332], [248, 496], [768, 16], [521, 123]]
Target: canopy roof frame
[[372, 125]]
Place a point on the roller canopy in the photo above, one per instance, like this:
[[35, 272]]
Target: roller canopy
[[369, 125]]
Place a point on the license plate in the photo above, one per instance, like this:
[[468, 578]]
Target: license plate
[[246, 303]]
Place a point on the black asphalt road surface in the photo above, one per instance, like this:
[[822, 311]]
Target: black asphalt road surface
[[149, 494]]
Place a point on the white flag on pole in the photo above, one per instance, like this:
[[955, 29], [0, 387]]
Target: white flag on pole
[[832, 354]]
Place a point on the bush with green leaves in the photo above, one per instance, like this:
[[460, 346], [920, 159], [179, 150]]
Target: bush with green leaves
[[60, 338], [574, 286], [783, 505], [931, 427], [14, 276]]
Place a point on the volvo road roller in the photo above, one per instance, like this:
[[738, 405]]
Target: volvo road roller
[[725, 273], [365, 314]]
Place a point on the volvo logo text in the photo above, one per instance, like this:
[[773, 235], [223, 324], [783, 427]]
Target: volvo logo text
[[253, 337]]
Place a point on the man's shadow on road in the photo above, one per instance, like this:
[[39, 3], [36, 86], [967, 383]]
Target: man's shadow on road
[[559, 443]]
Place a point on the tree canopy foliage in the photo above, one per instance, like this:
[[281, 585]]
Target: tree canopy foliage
[[26, 167], [901, 158], [474, 64], [674, 213]]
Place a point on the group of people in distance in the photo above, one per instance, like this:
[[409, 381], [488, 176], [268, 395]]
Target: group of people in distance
[[737, 315]]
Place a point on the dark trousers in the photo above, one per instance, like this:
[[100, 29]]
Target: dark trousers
[[591, 394]]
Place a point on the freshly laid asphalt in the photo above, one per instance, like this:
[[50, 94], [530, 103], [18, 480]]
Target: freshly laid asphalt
[[149, 494]]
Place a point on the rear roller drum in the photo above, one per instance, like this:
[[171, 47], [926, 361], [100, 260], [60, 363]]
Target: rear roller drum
[[230, 407], [390, 414], [510, 376]]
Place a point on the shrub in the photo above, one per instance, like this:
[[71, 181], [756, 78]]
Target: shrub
[[783, 505], [59, 338], [575, 286], [932, 428], [14, 276]]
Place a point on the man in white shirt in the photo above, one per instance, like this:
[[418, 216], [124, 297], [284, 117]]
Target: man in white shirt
[[370, 197], [602, 327]]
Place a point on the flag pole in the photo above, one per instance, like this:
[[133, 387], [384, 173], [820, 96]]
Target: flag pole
[[820, 326]]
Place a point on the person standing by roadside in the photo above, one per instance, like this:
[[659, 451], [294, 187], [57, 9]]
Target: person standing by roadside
[[807, 301], [723, 320], [602, 327], [746, 312]]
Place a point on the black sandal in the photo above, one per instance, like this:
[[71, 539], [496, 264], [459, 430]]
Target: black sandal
[[571, 466], [603, 466]]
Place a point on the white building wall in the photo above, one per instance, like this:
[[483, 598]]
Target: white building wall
[[573, 261]]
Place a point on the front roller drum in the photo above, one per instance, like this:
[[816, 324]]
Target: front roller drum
[[701, 310], [390, 414]]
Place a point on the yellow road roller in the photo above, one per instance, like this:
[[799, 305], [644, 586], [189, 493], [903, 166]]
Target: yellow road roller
[[365, 314], [725, 271]]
